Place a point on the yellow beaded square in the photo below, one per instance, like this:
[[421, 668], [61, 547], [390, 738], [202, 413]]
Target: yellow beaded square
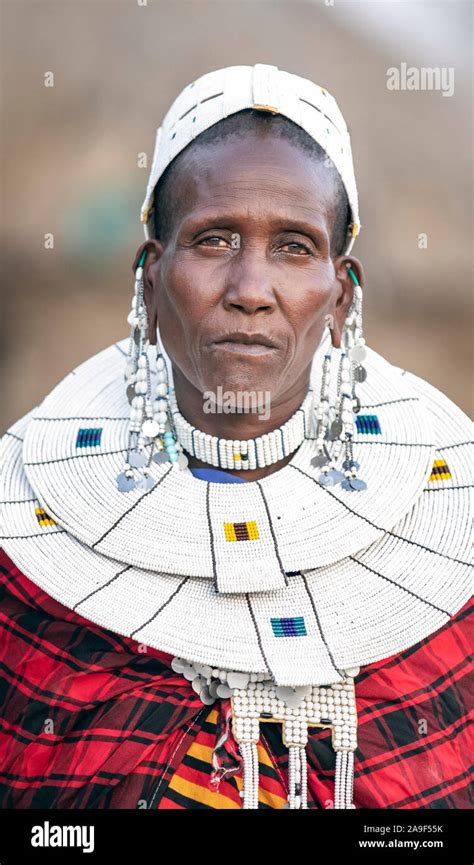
[[440, 471], [43, 518], [246, 531]]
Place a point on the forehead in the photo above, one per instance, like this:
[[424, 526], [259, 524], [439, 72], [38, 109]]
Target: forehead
[[261, 170]]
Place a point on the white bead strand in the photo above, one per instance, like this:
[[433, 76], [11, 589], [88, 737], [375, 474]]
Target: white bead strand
[[262, 451]]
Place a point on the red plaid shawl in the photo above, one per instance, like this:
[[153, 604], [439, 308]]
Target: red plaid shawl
[[91, 720]]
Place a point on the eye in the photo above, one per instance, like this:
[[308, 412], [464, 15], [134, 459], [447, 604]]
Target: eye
[[298, 248], [215, 240]]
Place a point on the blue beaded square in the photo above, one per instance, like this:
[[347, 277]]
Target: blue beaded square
[[368, 423], [89, 438], [289, 627]]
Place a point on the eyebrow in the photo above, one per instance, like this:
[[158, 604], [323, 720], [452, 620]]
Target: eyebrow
[[224, 218]]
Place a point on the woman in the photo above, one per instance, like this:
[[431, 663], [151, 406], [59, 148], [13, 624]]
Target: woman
[[248, 562]]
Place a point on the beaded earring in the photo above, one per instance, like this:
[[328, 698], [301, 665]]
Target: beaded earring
[[151, 434], [335, 423]]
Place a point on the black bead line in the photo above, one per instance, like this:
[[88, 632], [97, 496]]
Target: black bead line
[[104, 586], [326, 490], [280, 430], [20, 501], [379, 528], [390, 402], [42, 534], [259, 640], [82, 417], [13, 436], [273, 534], [398, 586], [376, 441], [329, 120], [78, 457], [321, 632], [396, 444], [120, 350], [304, 421], [160, 609], [194, 429], [457, 445], [429, 549], [140, 499], [436, 489], [211, 537]]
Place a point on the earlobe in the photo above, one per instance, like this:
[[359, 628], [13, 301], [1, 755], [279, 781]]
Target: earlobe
[[150, 303], [146, 256], [347, 268]]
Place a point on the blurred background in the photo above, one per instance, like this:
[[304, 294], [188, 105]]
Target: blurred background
[[70, 164]]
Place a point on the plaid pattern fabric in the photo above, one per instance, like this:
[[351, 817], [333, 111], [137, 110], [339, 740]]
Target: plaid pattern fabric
[[91, 719]]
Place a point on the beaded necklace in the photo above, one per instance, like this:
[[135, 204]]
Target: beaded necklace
[[265, 450]]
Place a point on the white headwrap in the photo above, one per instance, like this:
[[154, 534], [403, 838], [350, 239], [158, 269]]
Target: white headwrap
[[226, 91]]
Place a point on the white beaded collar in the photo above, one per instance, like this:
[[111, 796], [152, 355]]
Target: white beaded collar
[[317, 600], [184, 525]]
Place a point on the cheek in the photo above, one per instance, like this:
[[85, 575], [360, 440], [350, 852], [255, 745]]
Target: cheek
[[185, 293], [305, 304]]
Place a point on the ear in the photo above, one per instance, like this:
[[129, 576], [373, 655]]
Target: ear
[[342, 264], [154, 250]]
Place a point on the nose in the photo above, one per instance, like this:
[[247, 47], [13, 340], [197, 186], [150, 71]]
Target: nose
[[249, 287]]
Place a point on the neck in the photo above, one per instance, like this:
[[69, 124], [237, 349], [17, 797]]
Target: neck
[[232, 424], [240, 423]]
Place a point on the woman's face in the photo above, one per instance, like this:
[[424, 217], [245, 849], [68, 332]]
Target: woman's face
[[249, 254]]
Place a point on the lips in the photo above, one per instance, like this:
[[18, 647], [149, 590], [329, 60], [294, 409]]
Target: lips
[[242, 338], [252, 348]]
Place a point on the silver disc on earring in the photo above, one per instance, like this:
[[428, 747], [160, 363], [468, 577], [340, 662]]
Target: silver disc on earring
[[131, 393], [335, 429], [336, 476], [137, 460], [224, 691], [213, 686], [357, 352], [178, 665], [145, 483], [206, 697], [125, 483], [183, 461], [319, 461], [360, 373], [358, 484], [161, 457], [326, 480], [198, 684]]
